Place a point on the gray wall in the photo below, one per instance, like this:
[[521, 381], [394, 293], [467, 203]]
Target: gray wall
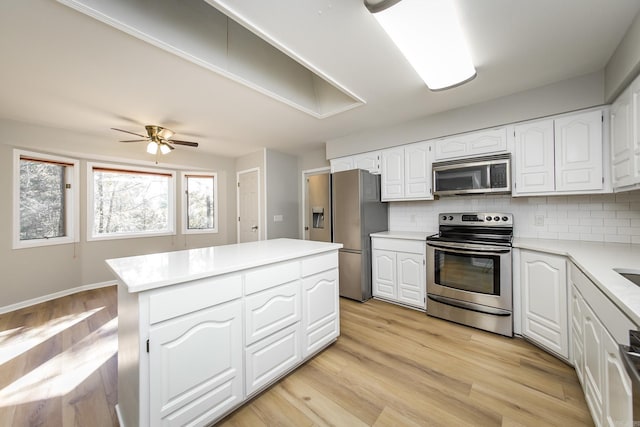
[[37, 272], [282, 194], [581, 92], [624, 64]]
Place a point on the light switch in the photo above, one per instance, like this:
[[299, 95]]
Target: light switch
[[277, 218]]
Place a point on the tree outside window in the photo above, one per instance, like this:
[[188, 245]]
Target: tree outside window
[[200, 203]]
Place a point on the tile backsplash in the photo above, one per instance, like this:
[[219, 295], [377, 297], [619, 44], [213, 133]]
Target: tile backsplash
[[600, 218]]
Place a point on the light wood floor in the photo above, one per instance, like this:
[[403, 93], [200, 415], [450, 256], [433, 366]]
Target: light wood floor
[[391, 366]]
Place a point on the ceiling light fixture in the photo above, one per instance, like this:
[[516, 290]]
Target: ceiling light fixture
[[152, 147], [428, 34]]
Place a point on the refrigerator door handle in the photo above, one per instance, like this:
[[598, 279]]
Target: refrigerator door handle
[[350, 251]]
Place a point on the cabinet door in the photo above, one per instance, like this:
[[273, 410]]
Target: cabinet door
[[384, 274], [593, 364], [618, 397], [534, 158], [270, 358], [577, 336], [411, 279], [471, 144], [271, 310], [321, 308], [578, 150], [417, 171], [393, 174], [622, 150], [341, 164], [195, 366], [367, 161], [635, 132], [544, 298]]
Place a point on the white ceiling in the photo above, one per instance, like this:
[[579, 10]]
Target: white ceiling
[[64, 69]]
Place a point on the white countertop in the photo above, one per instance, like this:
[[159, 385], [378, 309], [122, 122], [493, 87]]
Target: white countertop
[[598, 260], [407, 235], [144, 272]]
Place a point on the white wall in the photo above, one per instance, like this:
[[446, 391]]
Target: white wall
[[282, 195], [574, 94], [606, 217], [37, 272], [624, 64]]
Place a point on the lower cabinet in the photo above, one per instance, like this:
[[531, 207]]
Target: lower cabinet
[[596, 356], [399, 271], [321, 308], [544, 301]]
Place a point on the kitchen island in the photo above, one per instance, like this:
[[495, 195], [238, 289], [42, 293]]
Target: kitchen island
[[201, 331]]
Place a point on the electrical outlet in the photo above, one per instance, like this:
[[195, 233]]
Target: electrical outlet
[[539, 220], [277, 218]]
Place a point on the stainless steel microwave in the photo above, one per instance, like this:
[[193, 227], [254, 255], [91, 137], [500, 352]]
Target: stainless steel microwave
[[491, 174]]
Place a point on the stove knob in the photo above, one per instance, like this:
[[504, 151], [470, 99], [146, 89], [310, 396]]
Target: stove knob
[[504, 218], [496, 218], [444, 217], [450, 218], [488, 218]]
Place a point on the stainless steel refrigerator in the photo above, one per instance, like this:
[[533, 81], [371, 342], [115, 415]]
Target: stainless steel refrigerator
[[357, 212]]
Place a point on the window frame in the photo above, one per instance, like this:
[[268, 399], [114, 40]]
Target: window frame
[[72, 200], [184, 202], [171, 217]]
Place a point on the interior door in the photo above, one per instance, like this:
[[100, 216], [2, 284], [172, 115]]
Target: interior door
[[248, 206]]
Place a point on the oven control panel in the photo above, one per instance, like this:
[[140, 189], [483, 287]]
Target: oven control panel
[[487, 219]]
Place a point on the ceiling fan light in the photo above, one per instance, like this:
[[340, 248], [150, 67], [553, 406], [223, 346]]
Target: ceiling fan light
[[164, 149], [152, 147], [428, 34]]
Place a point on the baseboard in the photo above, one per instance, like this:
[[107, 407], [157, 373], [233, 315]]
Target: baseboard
[[45, 298]]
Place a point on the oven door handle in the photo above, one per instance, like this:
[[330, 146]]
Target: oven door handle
[[469, 306], [465, 249]]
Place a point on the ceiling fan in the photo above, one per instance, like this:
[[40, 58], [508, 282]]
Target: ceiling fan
[[159, 139]]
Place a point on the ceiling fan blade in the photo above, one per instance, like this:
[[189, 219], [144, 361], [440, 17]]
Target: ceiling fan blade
[[170, 146], [135, 140], [187, 143], [132, 133]]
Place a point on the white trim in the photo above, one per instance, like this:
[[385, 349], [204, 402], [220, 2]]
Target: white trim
[[238, 201], [60, 294], [266, 195], [306, 173], [171, 220], [72, 208], [185, 208]]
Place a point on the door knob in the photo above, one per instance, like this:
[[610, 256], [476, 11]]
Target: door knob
[[254, 228]]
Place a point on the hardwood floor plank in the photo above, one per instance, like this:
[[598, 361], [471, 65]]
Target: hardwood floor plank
[[391, 366]]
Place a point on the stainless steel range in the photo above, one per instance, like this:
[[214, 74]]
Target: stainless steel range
[[469, 271]]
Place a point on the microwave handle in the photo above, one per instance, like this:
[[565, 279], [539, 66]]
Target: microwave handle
[[458, 249]]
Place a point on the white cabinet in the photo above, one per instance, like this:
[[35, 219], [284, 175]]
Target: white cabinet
[[598, 327], [406, 172], [195, 365], [622, 150], [368, 161], [399, 270], [561, 155], [471, 144], [625, 138], [269, 311], [321, 307], [544, 301]]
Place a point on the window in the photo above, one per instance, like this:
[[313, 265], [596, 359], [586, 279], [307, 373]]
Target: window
[[131, 202], [199, 202], [45, 200]]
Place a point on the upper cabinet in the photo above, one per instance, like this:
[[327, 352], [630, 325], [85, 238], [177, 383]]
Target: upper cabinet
[[406, 172], [368, 161], [625, 138], [471, 144], [563, 155]]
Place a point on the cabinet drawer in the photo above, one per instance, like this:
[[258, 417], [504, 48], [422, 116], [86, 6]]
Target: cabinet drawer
[[321, 336], [614, 321], [192, 296], [267, 360], [271, 310], [262, 278], [399, 245], [318, 263]]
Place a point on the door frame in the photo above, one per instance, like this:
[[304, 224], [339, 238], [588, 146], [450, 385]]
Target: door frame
[[303, 211], [238, 173]]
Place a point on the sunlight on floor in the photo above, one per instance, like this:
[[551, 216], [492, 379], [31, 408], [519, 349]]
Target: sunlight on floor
[[61, 374], [14, 342]]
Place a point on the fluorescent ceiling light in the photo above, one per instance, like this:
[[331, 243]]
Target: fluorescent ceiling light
[[428, 34]]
